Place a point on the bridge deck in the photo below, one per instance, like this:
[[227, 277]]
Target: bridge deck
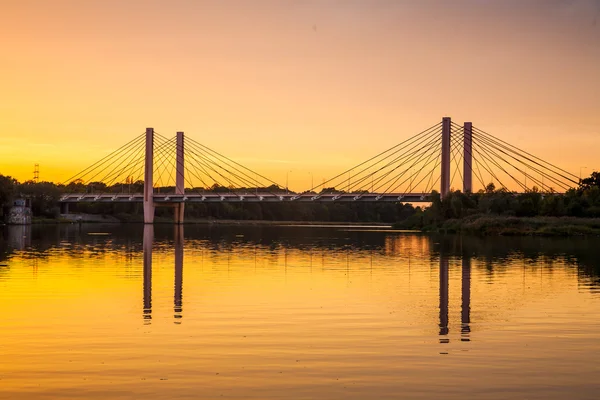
[[247, 197]]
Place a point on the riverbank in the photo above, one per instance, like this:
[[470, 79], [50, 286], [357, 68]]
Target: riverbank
[[493, 225]]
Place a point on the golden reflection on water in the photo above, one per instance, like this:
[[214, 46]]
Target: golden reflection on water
[[248, 312]]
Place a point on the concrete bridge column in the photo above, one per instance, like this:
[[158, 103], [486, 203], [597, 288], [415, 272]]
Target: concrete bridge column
[[179, 178], [64, 208], [148, 178], [445, 180], [468, 158]]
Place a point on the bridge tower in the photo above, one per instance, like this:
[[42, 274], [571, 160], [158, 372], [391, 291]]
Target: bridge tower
[[148, 178], [179, 178], [445, 180], [468, 158]]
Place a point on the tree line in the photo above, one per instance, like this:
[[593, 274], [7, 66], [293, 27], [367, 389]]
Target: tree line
[[583, 201]]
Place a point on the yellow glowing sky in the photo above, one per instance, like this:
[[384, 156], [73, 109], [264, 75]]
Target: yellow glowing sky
[[302, 86]]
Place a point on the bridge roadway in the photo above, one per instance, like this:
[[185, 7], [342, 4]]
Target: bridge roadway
[[246, 197]]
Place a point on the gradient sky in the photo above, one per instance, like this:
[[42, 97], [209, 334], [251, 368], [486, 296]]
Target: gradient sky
[[302, 86]]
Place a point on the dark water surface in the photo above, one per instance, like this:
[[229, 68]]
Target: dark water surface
[[203, 312]]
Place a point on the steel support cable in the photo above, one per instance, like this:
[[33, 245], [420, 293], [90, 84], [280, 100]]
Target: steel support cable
[[516, 149], [188, 156], [122, 156], [162, 155], [439, 158], [456, 147], [471, 164], [108, 162], [245, 182], [116, 172], [206, 163], [427, 162], [104, 159], [418, 172], [420, 155], [134, 167], [405, 152], [433, 140], [532, 177], [492, 157], [101, 168], [486, 167], [383, 180], [236, 163], [416, 175], [138, 172], [396, 161], [378, 155], [171, 166], [552, 178], [250, 180], [456, 159], [429, 138], [436, 179], [406, 170], [136, 156], [233, 179], [186, 173], [486, 157], [500, 146], [477, 163], [192, 156], [195, 174], [408, 146], [165, 156]]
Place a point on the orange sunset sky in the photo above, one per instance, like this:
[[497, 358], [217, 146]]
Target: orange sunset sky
[[311, 87]]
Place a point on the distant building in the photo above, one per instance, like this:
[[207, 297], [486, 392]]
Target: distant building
[[19, 213]]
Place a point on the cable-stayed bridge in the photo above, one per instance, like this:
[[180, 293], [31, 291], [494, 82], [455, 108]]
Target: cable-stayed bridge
[[157, 170]]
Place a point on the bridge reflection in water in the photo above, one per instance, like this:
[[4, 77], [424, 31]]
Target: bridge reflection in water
[[444, 285], [148, 241]]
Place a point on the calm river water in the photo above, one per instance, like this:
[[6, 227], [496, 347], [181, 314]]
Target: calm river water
[[200, 312]]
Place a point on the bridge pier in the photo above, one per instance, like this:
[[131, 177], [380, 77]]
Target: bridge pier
[[64, 208], [148, 178], [468, 158], [445, 179], [179, 178]]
